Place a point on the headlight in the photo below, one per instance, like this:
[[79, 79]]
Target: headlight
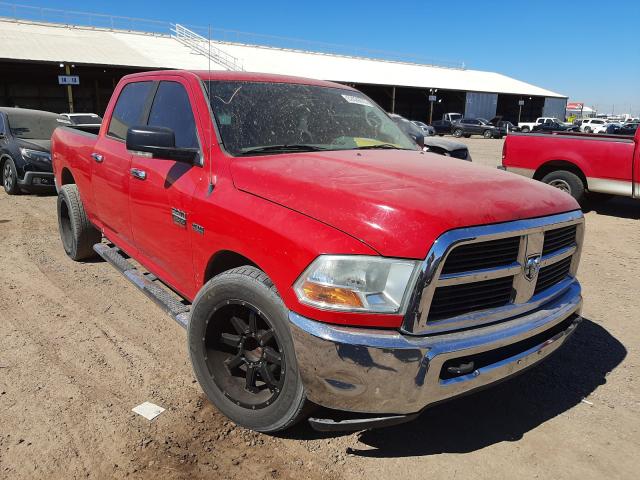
[[357, 283], [36, 155]]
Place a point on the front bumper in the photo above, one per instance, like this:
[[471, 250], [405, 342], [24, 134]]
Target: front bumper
[[384, 372], [35, 180]]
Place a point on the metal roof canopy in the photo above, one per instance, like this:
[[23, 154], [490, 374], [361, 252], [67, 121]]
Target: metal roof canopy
[[47, 42]]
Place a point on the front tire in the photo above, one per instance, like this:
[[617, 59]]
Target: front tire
[[487, 134], [78, 235], [242, 351], [10, 177], [458, 133], [568, 182]]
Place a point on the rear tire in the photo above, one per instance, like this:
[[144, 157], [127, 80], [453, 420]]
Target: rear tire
[[568, 182], [10, 177], [487, 134], [78, 235], [242, 351], [458, 133]]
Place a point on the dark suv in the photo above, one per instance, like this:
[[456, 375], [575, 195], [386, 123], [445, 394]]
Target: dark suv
[[466, 127], [25, 145]]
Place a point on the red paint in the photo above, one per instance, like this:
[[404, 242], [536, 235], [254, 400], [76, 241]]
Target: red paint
[[597, 156], [282, 211]]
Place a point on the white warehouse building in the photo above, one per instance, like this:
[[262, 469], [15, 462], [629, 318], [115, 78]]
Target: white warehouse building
[[33, 53]]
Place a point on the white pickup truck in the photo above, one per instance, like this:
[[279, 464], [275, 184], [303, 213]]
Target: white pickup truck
[[526, 127]]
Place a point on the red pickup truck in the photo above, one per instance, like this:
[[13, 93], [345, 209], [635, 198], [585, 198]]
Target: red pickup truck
[[579, 164], [315, 255]]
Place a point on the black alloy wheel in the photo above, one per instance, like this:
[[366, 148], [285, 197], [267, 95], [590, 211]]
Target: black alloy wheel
[[244, 355]]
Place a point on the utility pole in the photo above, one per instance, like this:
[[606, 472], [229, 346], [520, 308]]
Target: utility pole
[[432, 99], [520, 104]]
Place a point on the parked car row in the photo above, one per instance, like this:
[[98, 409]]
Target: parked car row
[[25, 146], [440, 146]]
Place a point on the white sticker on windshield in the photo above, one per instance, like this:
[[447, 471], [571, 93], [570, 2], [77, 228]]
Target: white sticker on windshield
[[356, 99]]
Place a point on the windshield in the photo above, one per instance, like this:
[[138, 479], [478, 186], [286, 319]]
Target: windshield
[[258, 117], [33, 126]]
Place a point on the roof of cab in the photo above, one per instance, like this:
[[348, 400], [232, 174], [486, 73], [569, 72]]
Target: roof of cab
[[242, 77]]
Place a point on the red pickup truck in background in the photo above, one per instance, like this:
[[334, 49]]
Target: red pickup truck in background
[[577, 164], [315, 255]]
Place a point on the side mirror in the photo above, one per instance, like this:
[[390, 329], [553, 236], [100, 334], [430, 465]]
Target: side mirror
[[420, 140], [160, 142]]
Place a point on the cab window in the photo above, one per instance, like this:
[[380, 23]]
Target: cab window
[[129, 109], [172, 109]]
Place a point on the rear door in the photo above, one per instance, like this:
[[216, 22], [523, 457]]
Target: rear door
[[111, 162], [161, 192]]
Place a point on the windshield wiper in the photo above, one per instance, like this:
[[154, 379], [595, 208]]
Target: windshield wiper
[[388, 146], [295, 147]]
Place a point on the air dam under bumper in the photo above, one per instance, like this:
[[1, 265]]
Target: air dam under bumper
[[381, 371]]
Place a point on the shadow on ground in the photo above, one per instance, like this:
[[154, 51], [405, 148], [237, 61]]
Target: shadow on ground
[[505, 412], [617, 207]]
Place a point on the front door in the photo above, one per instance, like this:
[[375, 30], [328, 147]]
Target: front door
[[111, 162], [161, 190], [635, 174]]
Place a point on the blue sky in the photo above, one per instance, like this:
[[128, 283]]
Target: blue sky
[[588, 50]]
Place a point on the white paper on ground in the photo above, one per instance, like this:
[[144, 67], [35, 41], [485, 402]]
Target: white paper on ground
[[148, 410]]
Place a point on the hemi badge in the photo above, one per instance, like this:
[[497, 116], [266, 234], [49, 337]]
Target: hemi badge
[[198, 228], [179, 217]]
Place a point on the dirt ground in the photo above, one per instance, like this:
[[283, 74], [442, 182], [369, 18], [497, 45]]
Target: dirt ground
[[80, 347]]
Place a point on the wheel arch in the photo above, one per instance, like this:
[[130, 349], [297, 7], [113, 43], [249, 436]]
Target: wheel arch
[[66, 177], [3, 158], [554, 165], [224, 260]]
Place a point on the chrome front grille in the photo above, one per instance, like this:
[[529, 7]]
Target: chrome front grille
[[468, 297], [559, 238], [552, 274], [479, 275], [474, 256]]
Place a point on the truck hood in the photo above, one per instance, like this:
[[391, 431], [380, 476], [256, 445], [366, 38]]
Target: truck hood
[[397, 202]]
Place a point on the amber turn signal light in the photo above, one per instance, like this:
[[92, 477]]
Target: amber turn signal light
[[331, 295]]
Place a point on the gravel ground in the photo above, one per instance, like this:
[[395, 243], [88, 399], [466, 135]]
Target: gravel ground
[[79, 347]]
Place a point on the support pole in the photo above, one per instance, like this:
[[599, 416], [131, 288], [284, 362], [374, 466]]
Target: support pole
[[393, 99], [67, 70], [430, 112], [519, 112]]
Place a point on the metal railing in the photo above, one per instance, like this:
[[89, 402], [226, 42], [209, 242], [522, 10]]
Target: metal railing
[[18, 12], [201, 45]]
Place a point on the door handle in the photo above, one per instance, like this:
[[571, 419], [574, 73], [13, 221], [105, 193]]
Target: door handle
[[139, 174], [97, 157]]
